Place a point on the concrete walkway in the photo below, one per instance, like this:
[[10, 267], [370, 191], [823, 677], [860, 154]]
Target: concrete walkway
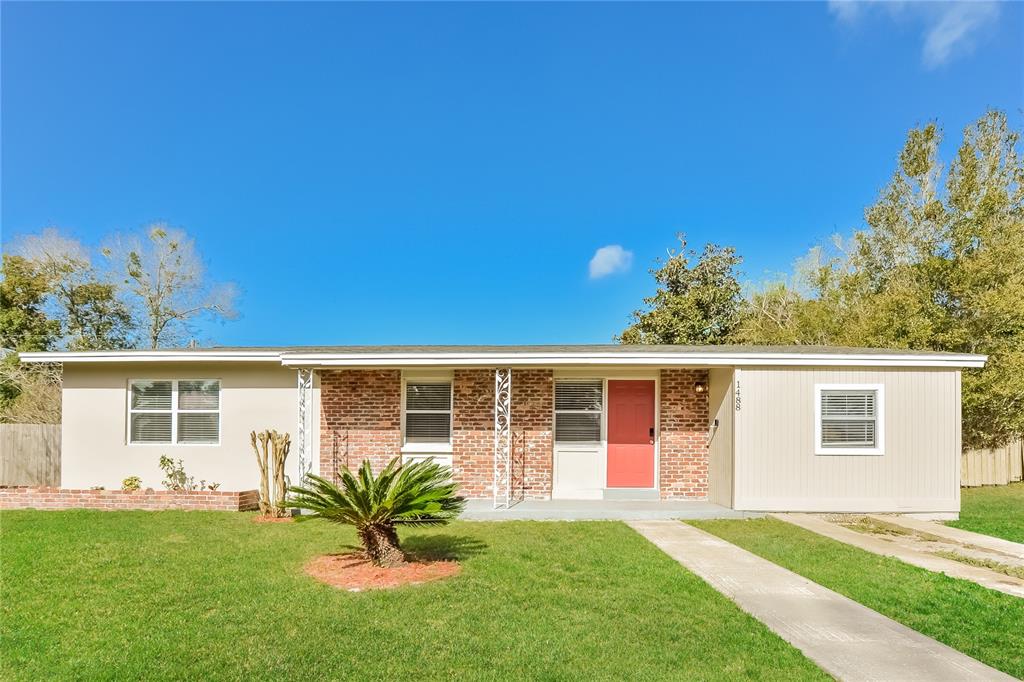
[[916, 557], [848, 640], [964, 537], [600, 510]]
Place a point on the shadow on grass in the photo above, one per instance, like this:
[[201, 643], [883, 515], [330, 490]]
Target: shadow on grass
[[431, 547], [442, 547]]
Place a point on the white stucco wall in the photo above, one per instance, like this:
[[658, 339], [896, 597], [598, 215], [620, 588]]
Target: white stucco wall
[[776, 468], [95, 448]]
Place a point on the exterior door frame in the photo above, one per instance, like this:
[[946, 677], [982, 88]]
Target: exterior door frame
[[642, 374]]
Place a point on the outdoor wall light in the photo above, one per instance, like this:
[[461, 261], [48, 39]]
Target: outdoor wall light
[[700, 387]]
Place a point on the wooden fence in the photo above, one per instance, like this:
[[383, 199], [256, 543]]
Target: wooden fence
[[30, 454], [996, 466]]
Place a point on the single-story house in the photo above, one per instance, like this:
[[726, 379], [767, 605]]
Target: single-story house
[[796, 428]]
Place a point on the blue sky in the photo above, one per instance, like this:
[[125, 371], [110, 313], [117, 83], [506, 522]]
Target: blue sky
[[445, 173]]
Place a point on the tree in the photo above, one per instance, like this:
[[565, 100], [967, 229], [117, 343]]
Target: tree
[[415, 494], [87, 305], [26, 393], [167, 279], [939, 266], [698, 304]]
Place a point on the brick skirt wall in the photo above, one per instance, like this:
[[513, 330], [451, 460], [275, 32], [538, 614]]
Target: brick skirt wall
[[27, 497]]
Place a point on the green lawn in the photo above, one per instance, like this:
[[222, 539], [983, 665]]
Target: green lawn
[[197, 595], [993, 510], [982, 623]]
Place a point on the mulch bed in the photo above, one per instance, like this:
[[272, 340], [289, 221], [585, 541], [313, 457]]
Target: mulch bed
[[355, 573], [259, 518]]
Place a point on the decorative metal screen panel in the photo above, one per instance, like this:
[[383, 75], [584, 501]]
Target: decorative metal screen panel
[[502, 437]]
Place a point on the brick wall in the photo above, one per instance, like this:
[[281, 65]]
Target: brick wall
[[360, 418], [26, 497], [684, 435], [533, 416], [473, 431]]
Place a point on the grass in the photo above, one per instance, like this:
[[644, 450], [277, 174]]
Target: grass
[[206, 595], [982, 623], [993, 510], [991, 564]]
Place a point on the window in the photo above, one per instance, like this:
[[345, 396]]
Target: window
[[185, 412], [848, 419], [428, 412], [578, 407]]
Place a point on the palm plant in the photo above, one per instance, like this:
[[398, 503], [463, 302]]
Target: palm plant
[[417, 494]]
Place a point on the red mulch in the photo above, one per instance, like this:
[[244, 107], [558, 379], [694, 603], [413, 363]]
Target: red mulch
[[355, 573], [260, 518]]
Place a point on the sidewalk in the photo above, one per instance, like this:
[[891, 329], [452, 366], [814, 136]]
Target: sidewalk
[[848, 640], [907, 551]]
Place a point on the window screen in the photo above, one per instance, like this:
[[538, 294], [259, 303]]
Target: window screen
[[578, 408], [183, 412], [849, 418], [428, 412]]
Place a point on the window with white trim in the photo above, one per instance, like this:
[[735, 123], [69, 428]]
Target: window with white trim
[[428, 412], [578, 410], [849, 419], [166, 411]]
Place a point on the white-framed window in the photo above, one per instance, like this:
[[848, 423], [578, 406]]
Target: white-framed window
[[849, 419], [579, 409], [174, 412], [427, 414]]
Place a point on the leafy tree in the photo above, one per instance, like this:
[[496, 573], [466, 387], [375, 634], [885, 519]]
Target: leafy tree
[[939, 266], [85, 303], [167, 279], [415, 494], [24, 326], [693, 304]]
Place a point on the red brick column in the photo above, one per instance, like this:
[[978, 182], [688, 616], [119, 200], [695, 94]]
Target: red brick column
[[473, 431], [533, 417], [360, 418], [684, 435]]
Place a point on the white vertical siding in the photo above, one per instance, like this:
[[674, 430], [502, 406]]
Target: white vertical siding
[[720, 407], [776, 468]]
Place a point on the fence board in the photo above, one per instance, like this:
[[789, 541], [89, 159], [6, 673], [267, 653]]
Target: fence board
[[30, 454], [994, 466]]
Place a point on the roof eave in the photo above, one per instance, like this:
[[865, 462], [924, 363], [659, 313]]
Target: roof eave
[[449, 359]]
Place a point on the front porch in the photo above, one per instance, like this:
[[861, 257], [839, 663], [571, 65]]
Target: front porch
[[601, 510]]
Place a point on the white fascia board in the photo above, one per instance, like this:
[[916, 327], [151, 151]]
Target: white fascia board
[[532, 359], [641, 359], [151, 356]]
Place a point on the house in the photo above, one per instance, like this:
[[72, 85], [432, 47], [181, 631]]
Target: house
[[797, 428]]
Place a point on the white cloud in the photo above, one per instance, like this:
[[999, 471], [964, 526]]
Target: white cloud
[[950, 29], [610, 259]]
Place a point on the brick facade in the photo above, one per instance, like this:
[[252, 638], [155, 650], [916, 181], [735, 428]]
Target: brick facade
[[27, 497], [361, 417], [473, 431], [684, 435], [533, 423]]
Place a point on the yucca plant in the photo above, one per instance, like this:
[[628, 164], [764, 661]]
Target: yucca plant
[[417, 494]]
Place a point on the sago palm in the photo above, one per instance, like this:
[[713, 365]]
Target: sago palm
[[416, 494]]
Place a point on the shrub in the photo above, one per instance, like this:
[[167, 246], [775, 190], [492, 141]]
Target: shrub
[[422, 493], [131, 484], [177, 479]]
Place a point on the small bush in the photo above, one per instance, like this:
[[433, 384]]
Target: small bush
[[177, 479], [131, 484]]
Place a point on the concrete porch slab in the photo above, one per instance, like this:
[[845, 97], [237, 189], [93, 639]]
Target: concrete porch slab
[[600, 510]]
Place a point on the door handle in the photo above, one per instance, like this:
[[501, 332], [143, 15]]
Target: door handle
[[651, 433]]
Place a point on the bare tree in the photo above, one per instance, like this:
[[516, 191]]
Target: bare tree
[[165, 275]]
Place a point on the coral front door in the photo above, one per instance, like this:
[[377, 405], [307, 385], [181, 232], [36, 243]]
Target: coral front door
[[630, 434]]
